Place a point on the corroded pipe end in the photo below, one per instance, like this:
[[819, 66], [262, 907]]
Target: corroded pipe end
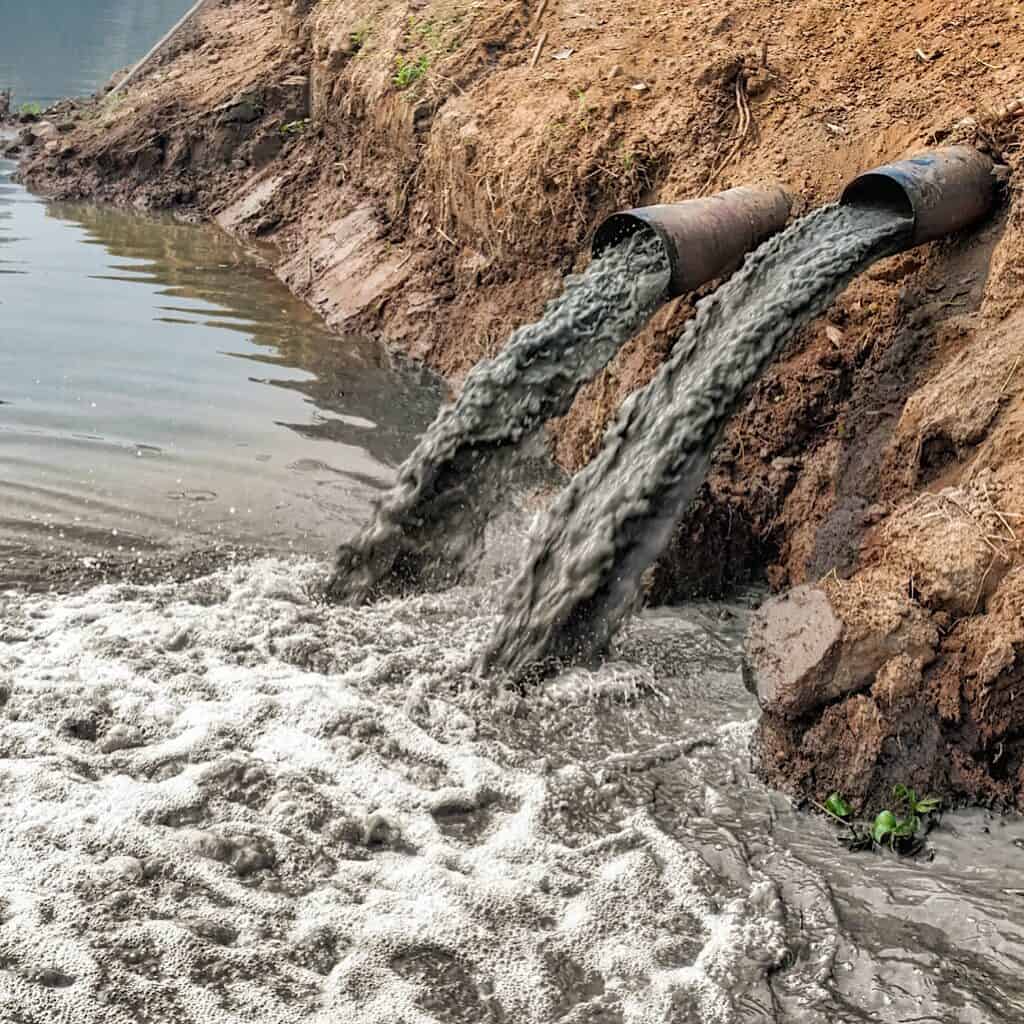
[[703, 238], [939, 191]]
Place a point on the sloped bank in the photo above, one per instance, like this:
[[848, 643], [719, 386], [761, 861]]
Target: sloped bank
[[428, 180]]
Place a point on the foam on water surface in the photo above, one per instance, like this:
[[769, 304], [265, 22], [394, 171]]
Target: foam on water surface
[[222, 801]]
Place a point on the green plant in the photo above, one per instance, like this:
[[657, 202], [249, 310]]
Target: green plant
[[294, 127], [904, 828], [409, 72], [31, 108], [358, 36], [898, 829]]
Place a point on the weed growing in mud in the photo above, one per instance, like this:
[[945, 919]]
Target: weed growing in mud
[[408, 72], [294, 127], [358, 37], [898, 829], [33, 109]]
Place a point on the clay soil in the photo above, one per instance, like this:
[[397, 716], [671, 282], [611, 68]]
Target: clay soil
[[431, 170]]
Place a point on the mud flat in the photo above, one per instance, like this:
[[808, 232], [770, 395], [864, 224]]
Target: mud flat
[[426, 180]]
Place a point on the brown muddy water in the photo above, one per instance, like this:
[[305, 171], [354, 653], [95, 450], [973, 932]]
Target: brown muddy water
[[159, 390]]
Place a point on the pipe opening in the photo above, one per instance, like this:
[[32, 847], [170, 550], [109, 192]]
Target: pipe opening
[[881, 192], [617, 228]]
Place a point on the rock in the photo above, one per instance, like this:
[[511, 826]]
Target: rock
[[818, 643], [792, 650]]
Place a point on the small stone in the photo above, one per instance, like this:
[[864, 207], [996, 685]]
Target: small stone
[[813, 645], [615, 72]]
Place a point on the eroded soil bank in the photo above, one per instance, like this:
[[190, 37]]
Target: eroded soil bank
[[430, 171]]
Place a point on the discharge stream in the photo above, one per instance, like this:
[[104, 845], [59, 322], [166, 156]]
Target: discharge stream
[[583, 572], [427, 528]]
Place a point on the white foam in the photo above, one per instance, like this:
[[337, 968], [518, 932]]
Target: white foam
[[212, 865]]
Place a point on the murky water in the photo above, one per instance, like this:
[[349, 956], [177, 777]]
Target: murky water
[[585, 566], [158, 389], [225, 801], [427, 531], [50, 49]]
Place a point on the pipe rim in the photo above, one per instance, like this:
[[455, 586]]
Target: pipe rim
[[620, 226], [882, 190]]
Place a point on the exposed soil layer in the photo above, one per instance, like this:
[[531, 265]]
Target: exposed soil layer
[[430, 171]]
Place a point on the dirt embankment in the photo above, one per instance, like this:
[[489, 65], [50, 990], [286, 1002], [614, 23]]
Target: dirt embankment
[[430, 170]]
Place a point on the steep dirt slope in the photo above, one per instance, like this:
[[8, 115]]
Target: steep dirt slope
[[431, 170]]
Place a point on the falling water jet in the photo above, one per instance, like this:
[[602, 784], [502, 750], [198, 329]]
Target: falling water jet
[[426, 531], [584, 568]]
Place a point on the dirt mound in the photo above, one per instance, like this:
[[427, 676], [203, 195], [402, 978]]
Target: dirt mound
[[430, 172]]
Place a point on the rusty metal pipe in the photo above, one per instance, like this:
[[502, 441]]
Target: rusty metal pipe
[[703, 238], [939, 191]]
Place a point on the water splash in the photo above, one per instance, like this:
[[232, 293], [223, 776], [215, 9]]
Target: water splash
[[584, 568], [427, 529]]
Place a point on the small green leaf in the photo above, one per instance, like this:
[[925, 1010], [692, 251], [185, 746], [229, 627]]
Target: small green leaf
[[838, 806], [906, 828], [928, 804], [900, 793], [885, 824]]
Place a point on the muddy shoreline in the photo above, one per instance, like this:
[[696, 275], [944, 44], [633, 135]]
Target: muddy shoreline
[[883, 454]]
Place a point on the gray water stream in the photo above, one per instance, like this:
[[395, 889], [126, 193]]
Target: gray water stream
[[427, 530], [583, 573]]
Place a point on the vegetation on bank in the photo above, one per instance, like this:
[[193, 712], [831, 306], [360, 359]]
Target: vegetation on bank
[[899, 829]]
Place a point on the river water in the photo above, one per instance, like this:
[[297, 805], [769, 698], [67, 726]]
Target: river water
[[224, 801], [50, 49], [161, 389]]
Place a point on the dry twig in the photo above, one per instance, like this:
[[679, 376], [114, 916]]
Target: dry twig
[[744, 123], [538, 48]]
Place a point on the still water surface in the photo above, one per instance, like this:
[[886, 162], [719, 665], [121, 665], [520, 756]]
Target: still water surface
[[55, 48], [157, 387]]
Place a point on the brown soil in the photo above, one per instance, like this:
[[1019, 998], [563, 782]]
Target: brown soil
[[426, 181]]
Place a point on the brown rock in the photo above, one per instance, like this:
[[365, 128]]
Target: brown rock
[[792, 650], [818, 643]]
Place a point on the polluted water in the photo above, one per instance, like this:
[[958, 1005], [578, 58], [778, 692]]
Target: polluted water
[[585, 565], [426, 531], [225, 801]]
